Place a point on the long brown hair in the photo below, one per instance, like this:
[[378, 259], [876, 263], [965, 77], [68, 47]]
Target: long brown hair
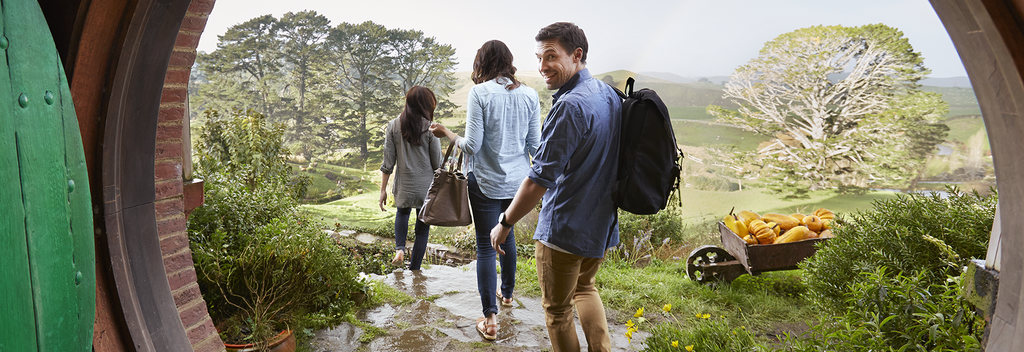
[[418, 113], [494, 60]]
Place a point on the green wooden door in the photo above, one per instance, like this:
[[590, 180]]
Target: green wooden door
[[47, 258]]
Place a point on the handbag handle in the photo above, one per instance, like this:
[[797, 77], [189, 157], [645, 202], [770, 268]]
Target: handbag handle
[[447, 154]]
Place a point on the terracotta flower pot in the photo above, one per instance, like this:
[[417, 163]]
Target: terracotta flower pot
[[283, 342]]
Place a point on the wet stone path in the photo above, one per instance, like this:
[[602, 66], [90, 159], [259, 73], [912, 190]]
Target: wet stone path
[[443, 318]]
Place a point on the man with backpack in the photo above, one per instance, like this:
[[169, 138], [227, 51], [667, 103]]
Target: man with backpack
[[574, 171]]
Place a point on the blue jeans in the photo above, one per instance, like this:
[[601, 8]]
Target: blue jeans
[[402, 231], [485, 217]]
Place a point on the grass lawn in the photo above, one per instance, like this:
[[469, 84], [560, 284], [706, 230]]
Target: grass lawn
[[962, 129], [700, 206], [689, 113], [356, 211], [762, 305], [701, 134]]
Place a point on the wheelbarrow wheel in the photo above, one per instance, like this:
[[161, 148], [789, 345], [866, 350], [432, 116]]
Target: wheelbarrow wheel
[[702, 257]]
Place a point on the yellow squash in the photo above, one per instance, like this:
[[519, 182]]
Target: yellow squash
[[786, 222], [824, 214], [733, 222], [813, 223], [747, 216], [762, 232], [794, 234], [750, 239]]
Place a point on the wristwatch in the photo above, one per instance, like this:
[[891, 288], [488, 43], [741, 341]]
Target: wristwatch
[[501, 220]]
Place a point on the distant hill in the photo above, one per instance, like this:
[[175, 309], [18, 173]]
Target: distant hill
[[960, 81], [962, 101], [668, 76], [672, 77]]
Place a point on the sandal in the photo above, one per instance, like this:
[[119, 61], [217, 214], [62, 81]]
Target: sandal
[[506, 302], [399, 258], [484, 328]]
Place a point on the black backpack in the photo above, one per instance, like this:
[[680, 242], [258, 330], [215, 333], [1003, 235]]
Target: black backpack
[[648, 154]]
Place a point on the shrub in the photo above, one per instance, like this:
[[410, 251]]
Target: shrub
[[256, 282], [245, 147], [664, 224], [646, 237], [261, 266], [909, 234], [888, 312]]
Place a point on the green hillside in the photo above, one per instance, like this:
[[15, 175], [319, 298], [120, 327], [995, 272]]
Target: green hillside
[[673, 94], [697, 134], [962, 101]]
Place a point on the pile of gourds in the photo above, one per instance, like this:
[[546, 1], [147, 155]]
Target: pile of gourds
[[778, 228]]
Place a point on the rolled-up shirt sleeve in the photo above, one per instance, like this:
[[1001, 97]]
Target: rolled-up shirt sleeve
[[470, 144], [562, 133], [533, 134]]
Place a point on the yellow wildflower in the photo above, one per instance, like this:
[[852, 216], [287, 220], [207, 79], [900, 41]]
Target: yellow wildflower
[[675, 343], [639, 312], [629, 323], [698, 315], [629, 335], [706, 315], [667, 308], [689, 348]]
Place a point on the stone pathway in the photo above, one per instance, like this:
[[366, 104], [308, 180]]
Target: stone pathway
[[444, 315]]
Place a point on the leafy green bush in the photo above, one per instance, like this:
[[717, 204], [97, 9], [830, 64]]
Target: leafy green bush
[[664, 224], [257, 282], [898, 312], [643, 238], [261, 266], [245, 147], [908, 234]]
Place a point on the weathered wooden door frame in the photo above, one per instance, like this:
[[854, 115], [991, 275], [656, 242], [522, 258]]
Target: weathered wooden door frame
[[989, 36]]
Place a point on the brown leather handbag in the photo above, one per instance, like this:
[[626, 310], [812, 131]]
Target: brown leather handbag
[[447, 202]]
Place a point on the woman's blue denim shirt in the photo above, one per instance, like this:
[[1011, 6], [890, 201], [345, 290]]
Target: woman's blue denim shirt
[[502, 134]]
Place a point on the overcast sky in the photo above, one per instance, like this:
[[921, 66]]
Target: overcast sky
[[691, 38]]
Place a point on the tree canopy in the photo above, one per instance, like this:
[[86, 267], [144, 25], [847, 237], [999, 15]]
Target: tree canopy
[[333, 87], [841, 105]]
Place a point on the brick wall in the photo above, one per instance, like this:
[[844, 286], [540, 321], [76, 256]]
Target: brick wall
[[172, 190]]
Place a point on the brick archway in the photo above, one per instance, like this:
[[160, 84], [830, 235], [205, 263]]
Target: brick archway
[[128, 63]]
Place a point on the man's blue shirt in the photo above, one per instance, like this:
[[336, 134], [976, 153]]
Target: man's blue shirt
[[577, 162]]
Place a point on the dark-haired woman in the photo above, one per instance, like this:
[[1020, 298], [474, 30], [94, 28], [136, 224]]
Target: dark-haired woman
[[502, 133], [411, 153]]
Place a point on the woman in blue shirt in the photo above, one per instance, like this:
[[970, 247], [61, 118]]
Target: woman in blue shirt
[[502, 134]]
